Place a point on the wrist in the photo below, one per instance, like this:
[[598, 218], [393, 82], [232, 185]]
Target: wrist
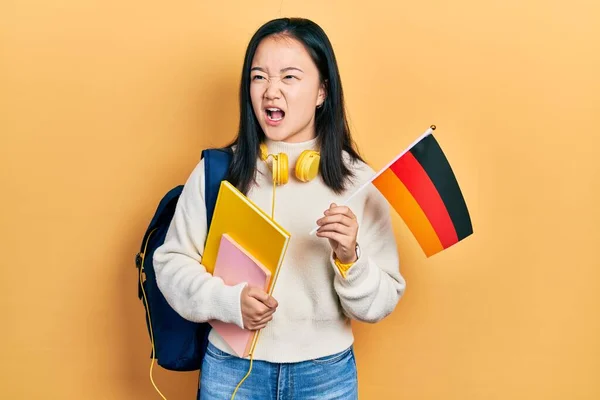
[[350, 259]]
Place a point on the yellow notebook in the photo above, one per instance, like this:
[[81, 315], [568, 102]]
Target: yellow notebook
[[248, 225]]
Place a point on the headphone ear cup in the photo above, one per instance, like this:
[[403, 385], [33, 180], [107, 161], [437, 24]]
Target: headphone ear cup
[[307, 166], [282, 170]]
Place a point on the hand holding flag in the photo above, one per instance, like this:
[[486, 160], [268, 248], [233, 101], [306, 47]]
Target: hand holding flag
[[420, 185], [339, 225]]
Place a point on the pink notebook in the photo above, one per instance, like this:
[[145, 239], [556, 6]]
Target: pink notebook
[[235, 265]]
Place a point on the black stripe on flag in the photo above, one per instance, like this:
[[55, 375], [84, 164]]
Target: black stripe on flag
[[431, 157]]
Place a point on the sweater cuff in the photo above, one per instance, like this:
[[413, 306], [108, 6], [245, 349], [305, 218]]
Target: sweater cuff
[[355, 274], [229, 304]]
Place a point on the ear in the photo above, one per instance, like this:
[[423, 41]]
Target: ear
[[322, 95]]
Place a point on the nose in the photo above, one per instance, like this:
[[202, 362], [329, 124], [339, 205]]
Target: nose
[[272, 91]]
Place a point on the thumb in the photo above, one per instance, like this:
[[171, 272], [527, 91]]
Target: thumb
[[271, 302], [263, 298]]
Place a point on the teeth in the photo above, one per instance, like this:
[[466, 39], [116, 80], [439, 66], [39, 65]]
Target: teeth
[[272, 110]]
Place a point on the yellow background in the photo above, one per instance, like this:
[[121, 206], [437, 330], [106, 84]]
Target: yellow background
[[107, 104]]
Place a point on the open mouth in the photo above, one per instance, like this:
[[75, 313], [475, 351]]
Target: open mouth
[[275, 114]]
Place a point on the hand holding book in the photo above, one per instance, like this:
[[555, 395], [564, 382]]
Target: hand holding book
[[257, 308]]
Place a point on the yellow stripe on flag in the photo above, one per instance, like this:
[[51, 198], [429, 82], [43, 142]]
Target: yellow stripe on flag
[[407, 207]]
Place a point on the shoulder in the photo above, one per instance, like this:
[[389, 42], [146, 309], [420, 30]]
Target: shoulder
[[193, 189], [196, 180], [361, 170], [370, 198]]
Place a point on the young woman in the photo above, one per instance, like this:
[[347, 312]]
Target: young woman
[[291, 100]]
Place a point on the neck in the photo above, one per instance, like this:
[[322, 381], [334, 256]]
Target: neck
[[292, 149]]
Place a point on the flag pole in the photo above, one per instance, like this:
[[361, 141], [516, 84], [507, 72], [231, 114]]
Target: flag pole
[[429, 131]]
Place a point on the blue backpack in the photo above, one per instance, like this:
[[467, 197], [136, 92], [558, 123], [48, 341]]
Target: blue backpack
[[178, 344]]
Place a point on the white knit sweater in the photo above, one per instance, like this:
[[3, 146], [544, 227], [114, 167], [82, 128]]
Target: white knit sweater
[[316, 302]]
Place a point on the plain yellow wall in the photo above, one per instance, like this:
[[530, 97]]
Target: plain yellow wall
[[107, 104]]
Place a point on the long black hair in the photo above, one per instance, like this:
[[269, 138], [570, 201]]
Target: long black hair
[[331, 126]]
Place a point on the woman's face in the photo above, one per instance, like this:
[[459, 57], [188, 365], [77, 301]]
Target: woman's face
[[285, 89]]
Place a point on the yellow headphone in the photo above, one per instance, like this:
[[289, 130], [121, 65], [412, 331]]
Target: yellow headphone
[[307, 166]]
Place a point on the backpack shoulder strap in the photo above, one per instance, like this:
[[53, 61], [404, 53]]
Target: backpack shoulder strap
[[216, 166], [162, 215]]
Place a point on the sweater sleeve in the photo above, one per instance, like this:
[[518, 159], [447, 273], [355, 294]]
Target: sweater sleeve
[[371, 288], [188, 288]]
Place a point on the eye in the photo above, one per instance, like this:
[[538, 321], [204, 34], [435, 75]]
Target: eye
[[258, 77]]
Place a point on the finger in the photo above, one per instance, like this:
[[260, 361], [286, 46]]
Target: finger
[[340, 218], [253, 308], [265, 320], [258, 294], [339, 228], [271, 302], [338, 237], [258, 309], [341, 210], [266, 302], [263, 297], [257, 327], [259, 315], [259, 323]]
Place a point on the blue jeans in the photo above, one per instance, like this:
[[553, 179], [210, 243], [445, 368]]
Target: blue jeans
[[327, 378]]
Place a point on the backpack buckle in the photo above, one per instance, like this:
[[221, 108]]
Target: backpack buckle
[[138, 260]]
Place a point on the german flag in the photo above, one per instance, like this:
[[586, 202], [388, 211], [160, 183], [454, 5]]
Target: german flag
[[420, 185]]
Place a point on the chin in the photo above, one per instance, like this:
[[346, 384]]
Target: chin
[[282, 133], [276, 134]]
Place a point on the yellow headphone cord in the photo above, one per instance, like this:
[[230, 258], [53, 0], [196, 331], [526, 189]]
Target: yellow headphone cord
[[143, 255], [251, 353]]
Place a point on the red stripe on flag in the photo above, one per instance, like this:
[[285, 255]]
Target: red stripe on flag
[[418, 183], [396, 193]]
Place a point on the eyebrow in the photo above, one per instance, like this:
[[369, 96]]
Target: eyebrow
[[283, 70]]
